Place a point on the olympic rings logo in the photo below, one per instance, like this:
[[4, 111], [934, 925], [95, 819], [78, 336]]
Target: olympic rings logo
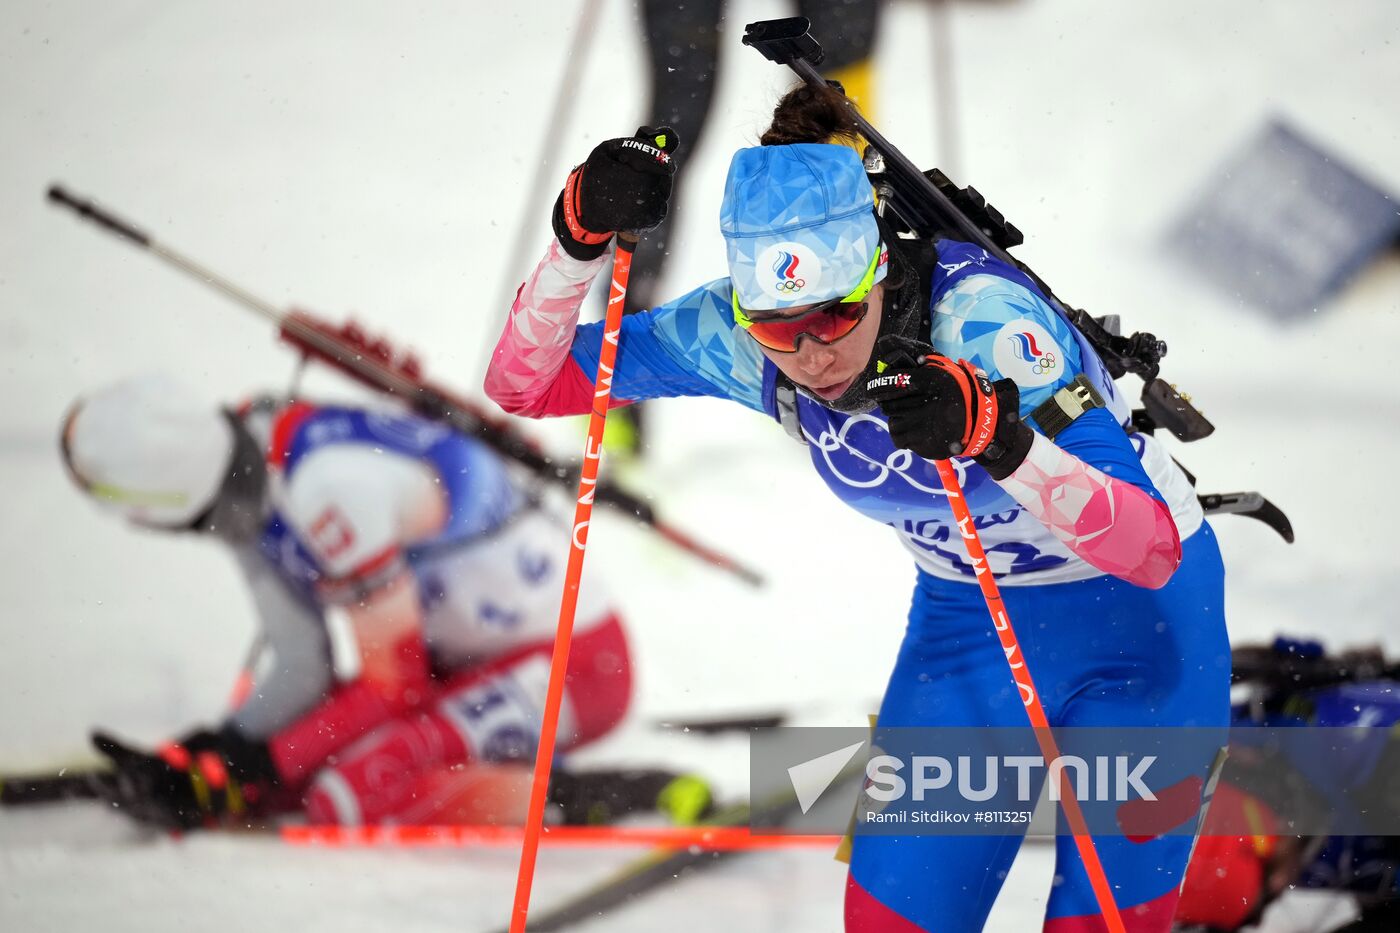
[[1045, 363], [836, 447], [785, 268]]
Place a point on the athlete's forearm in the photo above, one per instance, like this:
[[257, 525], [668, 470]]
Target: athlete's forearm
[[293, 638], [299, 750], [1110, 524], [531, 372]]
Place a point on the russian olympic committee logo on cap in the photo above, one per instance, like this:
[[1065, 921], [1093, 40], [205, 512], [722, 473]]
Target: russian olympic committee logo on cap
[[788, 271]]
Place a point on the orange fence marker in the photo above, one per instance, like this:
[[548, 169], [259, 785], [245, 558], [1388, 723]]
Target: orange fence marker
[[709, 838]]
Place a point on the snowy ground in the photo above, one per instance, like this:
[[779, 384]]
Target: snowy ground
[[362, 157]]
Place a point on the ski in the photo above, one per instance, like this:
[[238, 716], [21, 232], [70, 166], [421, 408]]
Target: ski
[[738, 722], [747, 720], [68, 784], [593, 799], [664, 866]]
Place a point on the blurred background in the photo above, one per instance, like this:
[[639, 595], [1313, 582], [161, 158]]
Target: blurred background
[[377, 161]]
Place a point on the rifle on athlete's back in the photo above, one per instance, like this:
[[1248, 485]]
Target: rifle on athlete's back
[[929, 205]]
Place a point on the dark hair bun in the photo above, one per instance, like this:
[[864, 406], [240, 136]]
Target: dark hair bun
[[809, 114]]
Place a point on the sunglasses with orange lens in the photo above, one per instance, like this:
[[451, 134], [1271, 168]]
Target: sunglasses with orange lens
[[825, 323]]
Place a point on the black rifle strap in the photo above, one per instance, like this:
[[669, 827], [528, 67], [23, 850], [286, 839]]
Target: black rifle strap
[[1060, 410]]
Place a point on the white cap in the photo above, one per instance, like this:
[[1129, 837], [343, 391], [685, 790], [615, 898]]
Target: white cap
[[149, 449]]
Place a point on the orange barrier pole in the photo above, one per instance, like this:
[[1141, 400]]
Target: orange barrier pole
[[1088, 854], [709, 838], [583, 511]]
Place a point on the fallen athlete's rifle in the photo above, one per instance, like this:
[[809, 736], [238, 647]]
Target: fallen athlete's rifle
[[930, 206], [376, 363], [1289, 666]]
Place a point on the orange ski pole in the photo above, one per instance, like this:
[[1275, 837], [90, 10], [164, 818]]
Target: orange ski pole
[[1049, 750], [583, 511]]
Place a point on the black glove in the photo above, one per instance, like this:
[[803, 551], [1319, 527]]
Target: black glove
[[939, 408], [205, 778], [624, 185]]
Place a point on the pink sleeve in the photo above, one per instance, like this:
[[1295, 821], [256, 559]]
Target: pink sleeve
[[531, 372], [1110, 524]]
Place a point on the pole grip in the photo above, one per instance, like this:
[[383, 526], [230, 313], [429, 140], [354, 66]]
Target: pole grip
[[89, 210]]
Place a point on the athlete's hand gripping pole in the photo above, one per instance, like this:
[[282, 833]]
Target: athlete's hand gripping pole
[[583, 511], [1021, 674]]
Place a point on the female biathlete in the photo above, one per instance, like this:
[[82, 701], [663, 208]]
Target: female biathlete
[[1108, 569], [445, 569]]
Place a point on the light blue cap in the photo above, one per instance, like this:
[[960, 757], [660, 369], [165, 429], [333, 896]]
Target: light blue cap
[[798, 224]]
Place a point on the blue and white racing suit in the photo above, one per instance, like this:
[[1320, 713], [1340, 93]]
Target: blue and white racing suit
[[1075, 537]]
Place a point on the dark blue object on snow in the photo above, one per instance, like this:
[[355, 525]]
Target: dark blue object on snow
[[1285, 223]]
